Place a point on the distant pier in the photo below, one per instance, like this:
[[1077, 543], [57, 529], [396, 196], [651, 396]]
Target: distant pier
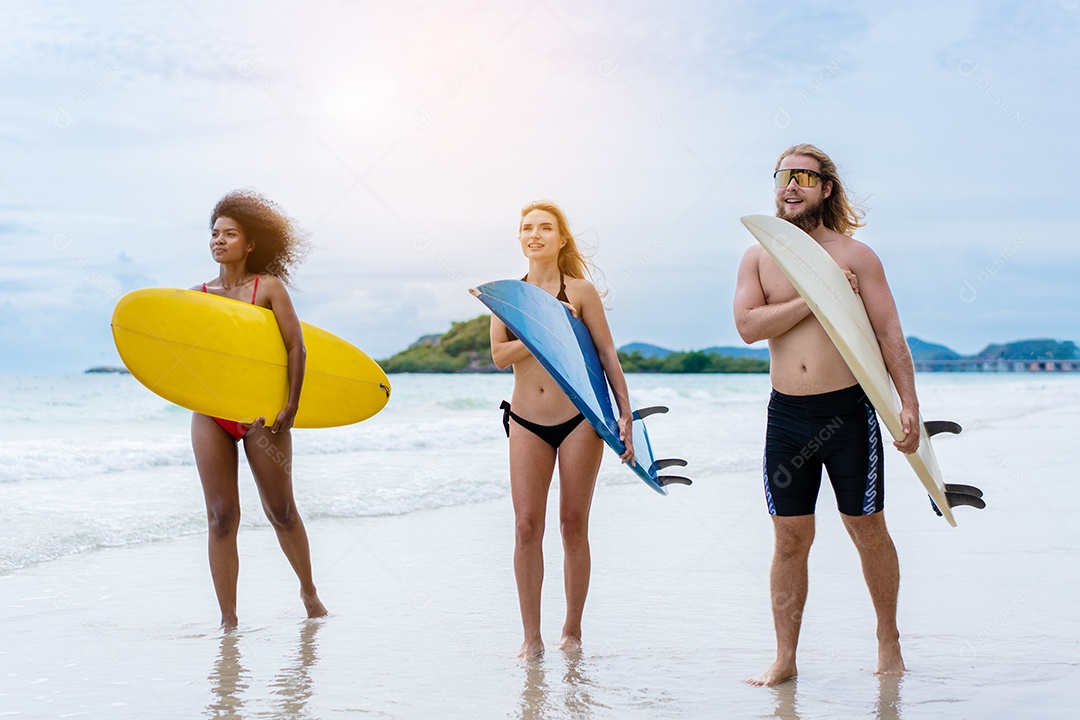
[[971, 365]]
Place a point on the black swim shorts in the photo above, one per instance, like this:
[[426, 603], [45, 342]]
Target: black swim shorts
[[838, 430]]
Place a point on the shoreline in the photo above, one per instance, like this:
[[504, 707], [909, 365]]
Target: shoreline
[[424, 619]]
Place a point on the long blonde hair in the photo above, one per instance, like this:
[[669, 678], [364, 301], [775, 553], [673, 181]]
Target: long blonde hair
[[841, 214], [572, 261]]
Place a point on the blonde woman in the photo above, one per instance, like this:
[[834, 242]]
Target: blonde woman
[[545, 428]]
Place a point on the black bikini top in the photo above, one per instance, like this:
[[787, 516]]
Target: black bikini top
[[561, 296]]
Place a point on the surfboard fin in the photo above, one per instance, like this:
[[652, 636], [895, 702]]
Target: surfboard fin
[[669, 462], [957, 495], [665, 480], [956, 499], [936, 427], [643, 413], [963, 490]]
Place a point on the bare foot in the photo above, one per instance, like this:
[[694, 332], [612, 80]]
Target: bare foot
[[531, 649], [777, 673], [228, 623], [570, 644], [890, 661], [314, 606]]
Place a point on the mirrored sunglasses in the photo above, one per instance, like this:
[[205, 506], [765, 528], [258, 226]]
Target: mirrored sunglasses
[[803, 178]]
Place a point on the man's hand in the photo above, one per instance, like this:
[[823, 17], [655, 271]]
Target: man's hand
[[853, 279], [910, 421]]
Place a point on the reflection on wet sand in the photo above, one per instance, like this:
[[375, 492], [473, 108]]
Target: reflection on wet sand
[[578, 700], [571, 698], [228, 681], [888, 699], [784, 695], [888, 707], [534, 695], [290, 689], [292, 686]]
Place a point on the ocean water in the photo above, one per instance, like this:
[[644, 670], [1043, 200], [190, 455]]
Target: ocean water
[[91, 461], [99, 494]]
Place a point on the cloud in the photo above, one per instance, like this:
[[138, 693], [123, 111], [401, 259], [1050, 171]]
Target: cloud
[[407, 135]]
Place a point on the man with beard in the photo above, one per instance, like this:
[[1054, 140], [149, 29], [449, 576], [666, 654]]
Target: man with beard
[[818, 415]]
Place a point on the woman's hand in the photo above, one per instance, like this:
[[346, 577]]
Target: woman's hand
[[626, 434], [572, 309], [284, 421]]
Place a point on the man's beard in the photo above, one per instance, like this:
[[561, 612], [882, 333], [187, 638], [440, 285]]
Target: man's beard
[[806, 220]]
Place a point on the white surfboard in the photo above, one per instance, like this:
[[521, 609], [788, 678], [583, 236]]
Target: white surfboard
[[840, 311]]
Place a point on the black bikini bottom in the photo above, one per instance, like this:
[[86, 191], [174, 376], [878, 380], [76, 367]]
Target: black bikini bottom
[[553, 435]]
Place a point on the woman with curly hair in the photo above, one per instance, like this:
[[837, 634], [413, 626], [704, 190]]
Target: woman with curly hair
[[255, 245], [545, 427]]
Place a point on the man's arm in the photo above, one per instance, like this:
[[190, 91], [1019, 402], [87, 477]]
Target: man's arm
[[881, 309], [755, 319]]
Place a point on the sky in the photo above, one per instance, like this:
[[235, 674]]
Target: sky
[[406, 136]]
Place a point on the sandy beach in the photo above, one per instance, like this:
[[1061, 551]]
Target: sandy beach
[[424, 617]]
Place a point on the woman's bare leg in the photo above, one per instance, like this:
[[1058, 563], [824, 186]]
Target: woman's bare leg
[[579, 462], [532, 462], [216, 458], [270, 458]]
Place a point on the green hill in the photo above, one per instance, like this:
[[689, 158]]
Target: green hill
[[1017, 350], [649, 352], [466, 347], [1031, 350], [695, 361], [922, 350], [645, 350]]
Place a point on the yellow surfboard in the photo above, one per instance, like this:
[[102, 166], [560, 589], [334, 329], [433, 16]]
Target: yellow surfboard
[[226, 358]]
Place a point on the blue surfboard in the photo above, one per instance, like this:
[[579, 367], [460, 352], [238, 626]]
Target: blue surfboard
[[562, 345]]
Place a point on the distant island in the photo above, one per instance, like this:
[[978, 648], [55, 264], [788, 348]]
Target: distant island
[[118, 369], [710, 360], [466, 348], [1017, 356]]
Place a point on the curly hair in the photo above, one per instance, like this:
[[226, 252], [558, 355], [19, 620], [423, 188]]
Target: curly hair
[[280, 245], [841, 214], [572, 261]]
